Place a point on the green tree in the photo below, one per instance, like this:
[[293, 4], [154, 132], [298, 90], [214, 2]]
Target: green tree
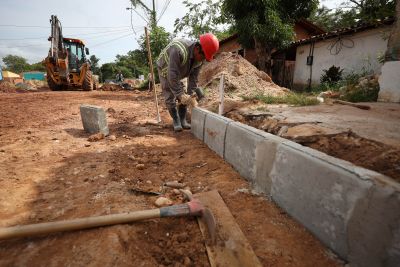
[[108, 71], [267, 24], [135, 61], [203, 17], [94, 62], [16, 64], [352, 12], [39, 66], [370, 10]]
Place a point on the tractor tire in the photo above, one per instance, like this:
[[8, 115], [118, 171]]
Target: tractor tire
[[52, 85], [87, 84], [95, 85]]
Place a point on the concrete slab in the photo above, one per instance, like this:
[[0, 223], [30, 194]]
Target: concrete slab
[[214, 132], [94, 119], [389, 82], [374, 227], [197, 122], [317, 193], [252, 153]]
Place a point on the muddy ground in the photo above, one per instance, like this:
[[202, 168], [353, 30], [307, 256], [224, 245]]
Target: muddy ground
[[49, 171]]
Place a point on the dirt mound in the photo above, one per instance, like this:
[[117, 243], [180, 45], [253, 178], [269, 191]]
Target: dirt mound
[[7, 87], [36, 83], [111, 87], [241, 78]]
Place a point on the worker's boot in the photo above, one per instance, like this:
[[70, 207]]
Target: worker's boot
[[175, 117], [182, 116]]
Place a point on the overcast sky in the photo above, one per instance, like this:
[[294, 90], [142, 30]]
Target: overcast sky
[[105, 26]]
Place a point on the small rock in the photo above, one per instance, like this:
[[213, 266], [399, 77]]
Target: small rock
[[164, 153], [187, 261], [111, 110], [162, 202], [132, 158], [167, 234], [149, 182], [112, 137], [140, 167], [181, 175], [96, 137], [243, 190], [87, 145], [176, 191]]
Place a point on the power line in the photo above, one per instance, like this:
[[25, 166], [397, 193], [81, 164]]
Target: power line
[[96, 34], [164, 9], [120, 37], [132, 19], [140, 15], [70, 27]]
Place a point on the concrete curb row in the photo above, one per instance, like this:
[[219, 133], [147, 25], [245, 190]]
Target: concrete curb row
[[354, 211]]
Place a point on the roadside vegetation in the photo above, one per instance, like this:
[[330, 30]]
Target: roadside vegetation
[[292, 99], [360, 86]]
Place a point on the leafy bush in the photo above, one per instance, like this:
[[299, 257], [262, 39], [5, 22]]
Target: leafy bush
[[331, 75]]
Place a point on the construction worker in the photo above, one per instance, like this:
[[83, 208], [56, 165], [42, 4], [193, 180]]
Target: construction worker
[[181, 59], [119, 78]]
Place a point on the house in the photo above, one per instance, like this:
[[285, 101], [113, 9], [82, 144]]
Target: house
[[12, 77], [303, 29], [354, 49]]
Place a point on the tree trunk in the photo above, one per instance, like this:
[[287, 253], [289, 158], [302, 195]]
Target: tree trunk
[[263, 53], [393, 48]]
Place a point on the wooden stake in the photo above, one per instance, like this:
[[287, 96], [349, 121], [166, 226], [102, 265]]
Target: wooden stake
[[152, 73], [221, 95]]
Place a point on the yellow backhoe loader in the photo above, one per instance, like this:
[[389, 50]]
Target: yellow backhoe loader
[[66, 64]]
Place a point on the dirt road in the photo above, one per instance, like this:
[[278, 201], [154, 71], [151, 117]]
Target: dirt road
[[49, 171]]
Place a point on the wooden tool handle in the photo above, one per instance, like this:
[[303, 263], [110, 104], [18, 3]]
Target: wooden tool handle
[[365, 107], [76, 224]]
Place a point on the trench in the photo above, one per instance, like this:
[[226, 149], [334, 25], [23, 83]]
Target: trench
[[349, 146]]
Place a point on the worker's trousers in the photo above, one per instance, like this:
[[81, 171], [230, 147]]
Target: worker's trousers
[[168, 93]]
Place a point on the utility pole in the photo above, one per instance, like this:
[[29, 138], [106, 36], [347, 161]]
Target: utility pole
[[154, 17], [151, 12]]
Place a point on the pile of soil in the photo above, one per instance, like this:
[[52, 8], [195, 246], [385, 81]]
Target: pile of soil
[[360, 151], [37, 84], [7, 87], [111, 87], [240, 76]]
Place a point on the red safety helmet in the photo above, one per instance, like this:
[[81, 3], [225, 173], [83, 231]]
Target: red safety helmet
[[209, 44]]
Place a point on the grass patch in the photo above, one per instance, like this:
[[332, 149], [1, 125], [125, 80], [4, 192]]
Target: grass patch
[[293, 99]]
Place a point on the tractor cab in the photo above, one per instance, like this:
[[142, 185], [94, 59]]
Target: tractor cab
[[76, 53]]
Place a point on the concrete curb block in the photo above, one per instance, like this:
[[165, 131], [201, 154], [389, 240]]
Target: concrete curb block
[[251, 153], [94, 119], [215, 131], [354, 211]]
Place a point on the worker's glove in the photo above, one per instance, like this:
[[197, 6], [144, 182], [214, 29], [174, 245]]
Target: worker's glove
[[184, 99], [187, 100]]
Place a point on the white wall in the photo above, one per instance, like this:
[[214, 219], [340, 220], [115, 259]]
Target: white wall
[[368, 45]]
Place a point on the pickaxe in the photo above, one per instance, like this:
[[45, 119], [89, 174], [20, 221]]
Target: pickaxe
[[191, 208]]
